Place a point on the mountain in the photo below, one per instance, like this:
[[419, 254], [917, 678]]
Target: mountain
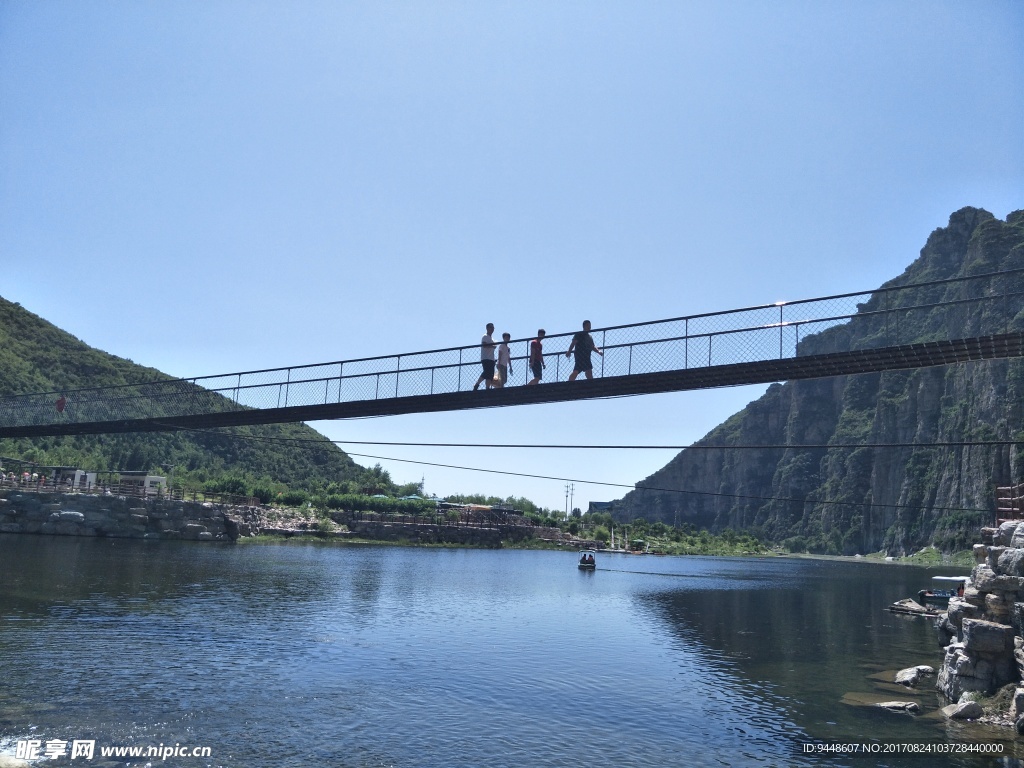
[[845, 500], [37, 356]]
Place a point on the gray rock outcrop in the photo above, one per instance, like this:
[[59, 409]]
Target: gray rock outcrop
[[985, 624], [895, 498], [911, 676], [76, 514], [968, 710]]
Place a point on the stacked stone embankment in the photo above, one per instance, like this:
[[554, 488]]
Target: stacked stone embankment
[[74, 514], [114, 516], [985, 650]]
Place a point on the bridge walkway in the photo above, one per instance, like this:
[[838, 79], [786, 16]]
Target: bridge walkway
[[940, 322]]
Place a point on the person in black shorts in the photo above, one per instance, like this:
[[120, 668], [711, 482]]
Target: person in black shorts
[[486, 359], [583, 344], [537, 363]]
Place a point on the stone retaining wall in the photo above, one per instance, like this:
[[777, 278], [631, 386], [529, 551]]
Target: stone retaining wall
[[74, 514], [985, 625], [427, 533], [114, 516]]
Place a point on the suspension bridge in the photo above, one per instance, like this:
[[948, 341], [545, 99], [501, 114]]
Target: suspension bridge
[[935, 323]]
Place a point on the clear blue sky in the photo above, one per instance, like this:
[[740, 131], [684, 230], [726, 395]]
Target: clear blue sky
[[206, 187]]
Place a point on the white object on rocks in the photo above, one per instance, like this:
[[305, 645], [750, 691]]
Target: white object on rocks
[[899, 706], [912, 675]]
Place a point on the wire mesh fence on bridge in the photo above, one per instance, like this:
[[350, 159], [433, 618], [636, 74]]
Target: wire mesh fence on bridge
[[974, 306]]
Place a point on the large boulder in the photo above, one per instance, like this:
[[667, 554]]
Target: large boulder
[[959, 675], [192, 531], [1011, 562], [912, 675], [959, 609], [1005, 534], [992, 560], [987, 637], [996, 604], [968, 710], [1017, 707], [974, 597], [984, 579]]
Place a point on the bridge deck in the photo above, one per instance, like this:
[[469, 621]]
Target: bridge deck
[[813, 366], [967, 318]]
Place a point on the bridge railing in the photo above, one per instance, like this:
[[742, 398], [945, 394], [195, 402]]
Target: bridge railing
[[983, 304]]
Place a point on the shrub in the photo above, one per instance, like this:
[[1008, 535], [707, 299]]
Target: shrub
[[293, 498], [263, 493]]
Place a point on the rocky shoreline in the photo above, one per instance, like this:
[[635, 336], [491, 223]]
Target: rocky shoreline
[[101, 515], [982, 636], [983, 631], [98, 515]]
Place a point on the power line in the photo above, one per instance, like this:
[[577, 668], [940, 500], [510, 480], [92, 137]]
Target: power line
[[626, 447], [695, 447], [638, 487], [633, 487]]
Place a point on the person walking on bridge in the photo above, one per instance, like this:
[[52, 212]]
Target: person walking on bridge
[[486, 359], [583, 344], [537, 364], [504, 359]]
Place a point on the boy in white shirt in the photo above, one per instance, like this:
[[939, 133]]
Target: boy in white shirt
[[504, 359], [486, 359]]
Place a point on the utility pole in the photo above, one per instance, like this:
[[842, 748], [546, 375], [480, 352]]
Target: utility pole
[[572, 493], [566, 499]]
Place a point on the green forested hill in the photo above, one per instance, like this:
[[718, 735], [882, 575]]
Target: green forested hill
[[37, 356], [846, 500]]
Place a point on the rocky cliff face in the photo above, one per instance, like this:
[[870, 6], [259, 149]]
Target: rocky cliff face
[[861, 499]]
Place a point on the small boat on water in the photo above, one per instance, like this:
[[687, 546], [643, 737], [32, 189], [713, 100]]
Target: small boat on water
[[588, 560], [943, 588]]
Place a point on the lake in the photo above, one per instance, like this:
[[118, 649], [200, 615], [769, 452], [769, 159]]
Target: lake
[[309, 654]]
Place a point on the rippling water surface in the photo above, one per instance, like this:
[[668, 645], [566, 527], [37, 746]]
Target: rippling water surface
[[311, 655]]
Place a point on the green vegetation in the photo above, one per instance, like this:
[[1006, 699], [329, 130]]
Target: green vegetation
[[927, 556], [514, 502], [265, 461], [659, 538], [318, 514], [934, 556], [995, 706]]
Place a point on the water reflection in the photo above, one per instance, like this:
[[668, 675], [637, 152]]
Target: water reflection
[[304, 654], [812, 639]]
